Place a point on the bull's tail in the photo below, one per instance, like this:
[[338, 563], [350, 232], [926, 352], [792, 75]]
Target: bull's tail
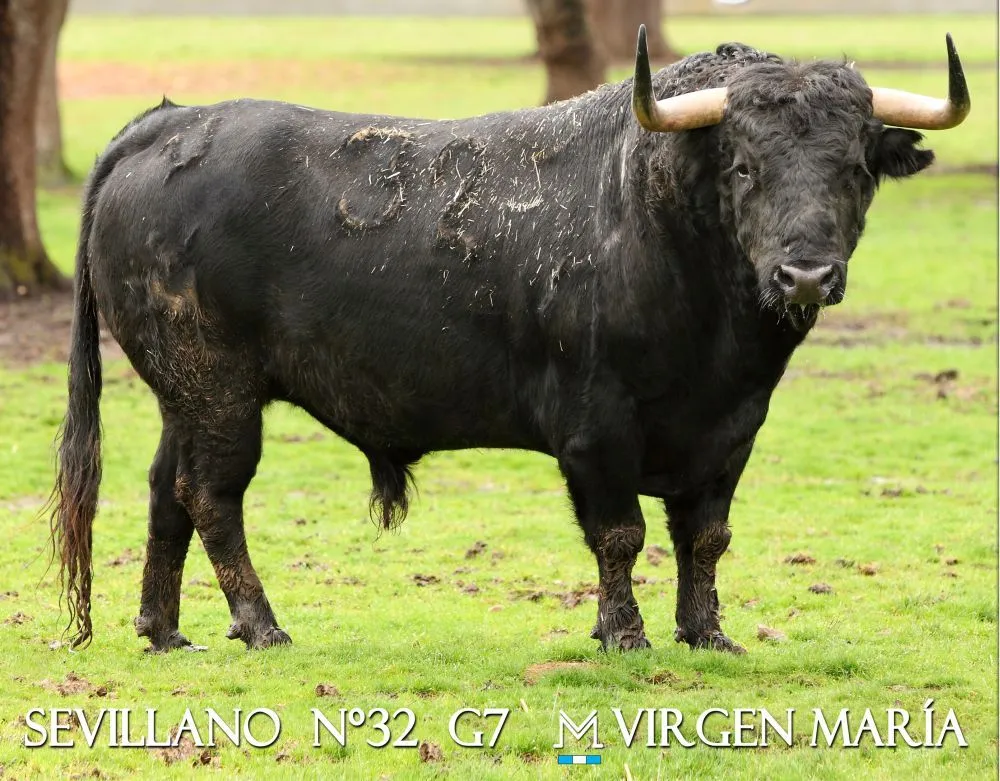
[[390, 499], [73, 501]]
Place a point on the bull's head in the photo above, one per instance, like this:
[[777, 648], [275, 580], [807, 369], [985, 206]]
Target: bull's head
[[803, 147]]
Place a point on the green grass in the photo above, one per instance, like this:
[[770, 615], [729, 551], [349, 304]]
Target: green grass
[[860, 461]]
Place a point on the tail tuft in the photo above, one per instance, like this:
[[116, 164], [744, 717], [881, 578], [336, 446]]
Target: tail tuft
[[390, 491], [73, 502]]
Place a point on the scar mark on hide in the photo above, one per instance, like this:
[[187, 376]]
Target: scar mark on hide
[[451, 233], [391, 178], [185, 150]]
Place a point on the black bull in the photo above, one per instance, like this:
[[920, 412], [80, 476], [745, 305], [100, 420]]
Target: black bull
[[557, 279]]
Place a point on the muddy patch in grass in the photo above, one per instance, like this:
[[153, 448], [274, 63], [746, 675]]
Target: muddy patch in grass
[[186, 750], [33, 330], [848, 329], [574, 597], [74, 684], [430, 752], [663, 678], [656, 554], [257, 77], [536, 672], [127, 556]]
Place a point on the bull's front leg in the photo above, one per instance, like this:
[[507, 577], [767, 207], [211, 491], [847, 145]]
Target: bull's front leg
[[619, 624], [601, 476], [697, 614], [699, 528]]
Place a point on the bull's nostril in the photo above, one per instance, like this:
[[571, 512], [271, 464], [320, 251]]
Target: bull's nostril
[[784, 280], [829, 278]]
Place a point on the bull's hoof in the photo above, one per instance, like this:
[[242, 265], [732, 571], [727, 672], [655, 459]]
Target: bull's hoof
[[255, 637], [629, 641], [631, 638], [162, 640], [713, 640]]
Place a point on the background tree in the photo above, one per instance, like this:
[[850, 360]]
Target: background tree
[[577, 39], [25, 29], [615, 25], [573, 64], [52, 168]]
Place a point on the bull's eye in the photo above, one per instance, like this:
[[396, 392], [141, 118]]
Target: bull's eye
[[857, 176], [742, 171]]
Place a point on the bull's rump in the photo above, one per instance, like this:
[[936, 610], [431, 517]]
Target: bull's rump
[[255, 251]]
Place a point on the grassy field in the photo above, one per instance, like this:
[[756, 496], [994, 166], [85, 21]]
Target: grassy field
[[876, 472]]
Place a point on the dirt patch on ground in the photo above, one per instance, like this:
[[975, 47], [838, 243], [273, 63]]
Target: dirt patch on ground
[[87, 80], [536, 672], [34, 330], [84, 80], [842, 328], [73, 684], [980, 169]]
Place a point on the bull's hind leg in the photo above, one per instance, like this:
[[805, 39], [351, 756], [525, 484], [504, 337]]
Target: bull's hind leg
[[225, 457], [170, 530], [600, 478]]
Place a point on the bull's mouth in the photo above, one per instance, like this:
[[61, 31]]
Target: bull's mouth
[[802, 316]]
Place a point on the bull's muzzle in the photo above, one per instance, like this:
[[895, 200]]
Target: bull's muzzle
[[804, 288]]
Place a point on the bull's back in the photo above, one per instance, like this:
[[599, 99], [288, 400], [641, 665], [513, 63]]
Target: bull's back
[[314, 257]]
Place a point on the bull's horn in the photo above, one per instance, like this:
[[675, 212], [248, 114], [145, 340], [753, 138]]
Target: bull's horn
[[682, 112], [906, 109]]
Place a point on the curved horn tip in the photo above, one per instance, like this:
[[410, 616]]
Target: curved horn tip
[[643, 100], [958, 88], [953, 60]]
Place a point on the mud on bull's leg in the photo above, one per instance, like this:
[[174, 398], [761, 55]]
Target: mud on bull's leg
[[253, 621], [225, 463], [619, 623], [170, 530], [601, 468], [697, 615]]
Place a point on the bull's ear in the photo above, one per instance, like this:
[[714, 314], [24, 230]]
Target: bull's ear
[[897, 154]]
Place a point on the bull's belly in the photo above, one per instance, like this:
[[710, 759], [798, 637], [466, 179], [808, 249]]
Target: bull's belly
[[401, 401]]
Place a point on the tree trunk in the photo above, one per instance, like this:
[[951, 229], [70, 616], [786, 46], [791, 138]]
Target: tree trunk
[[24, 265], [52, 168], [616, 25], [572, 63]]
